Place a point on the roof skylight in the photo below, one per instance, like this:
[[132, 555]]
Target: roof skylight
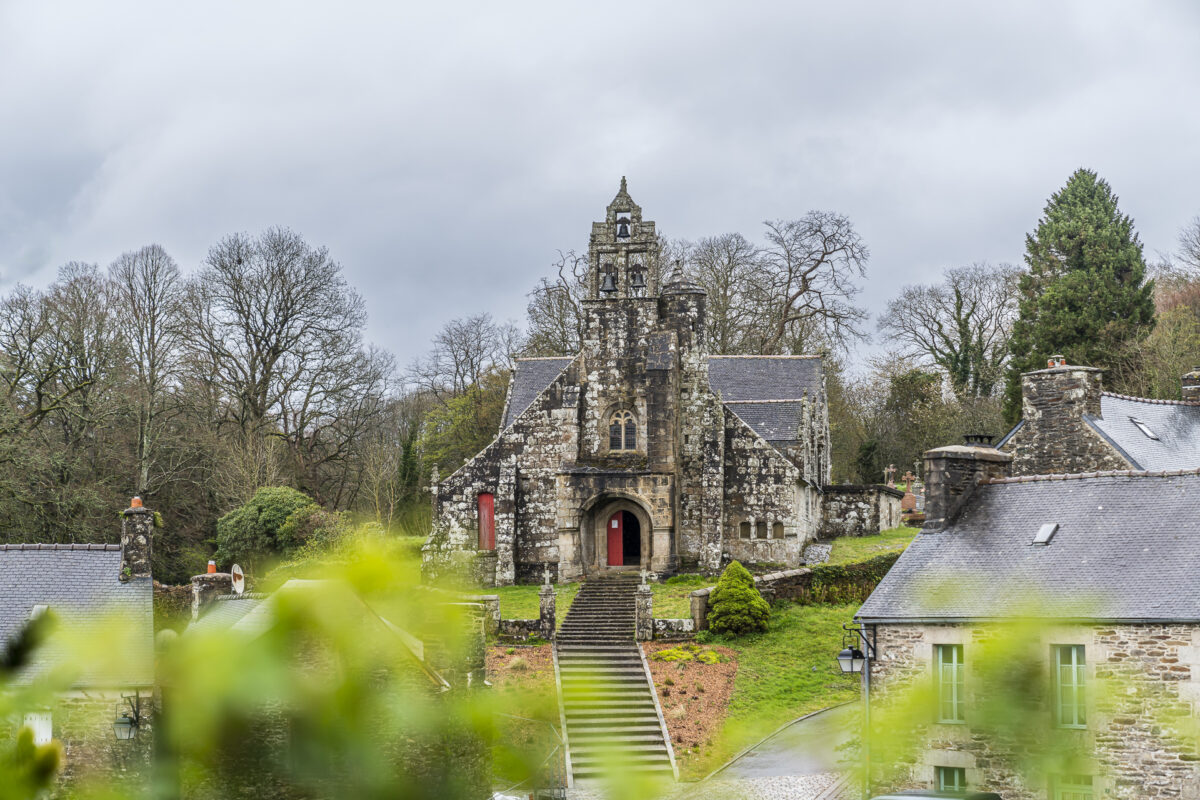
[[1144, 428], [1045, 533]]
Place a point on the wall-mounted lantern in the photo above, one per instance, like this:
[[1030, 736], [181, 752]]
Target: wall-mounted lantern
[[129, 717]]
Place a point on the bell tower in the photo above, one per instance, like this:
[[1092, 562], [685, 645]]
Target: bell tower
[[623, 252]]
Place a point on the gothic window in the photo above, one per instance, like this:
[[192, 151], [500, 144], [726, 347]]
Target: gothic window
[[622, 431], [760, 530]]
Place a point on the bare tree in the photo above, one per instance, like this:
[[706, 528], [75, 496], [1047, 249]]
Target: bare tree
[[463, 350], [146, 288], [276, 328], [961, 325], [555, 310], [805, 284], [1189, 244], [727, 267]]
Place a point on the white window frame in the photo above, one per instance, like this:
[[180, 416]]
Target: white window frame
[[1070, 686], [42, 725], [951, 684]]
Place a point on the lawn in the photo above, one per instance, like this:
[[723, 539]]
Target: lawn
[[522, 602], [784, 673], [672, 598], [863, 548]]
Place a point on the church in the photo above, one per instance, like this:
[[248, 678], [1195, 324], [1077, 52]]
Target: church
[[642, 451]]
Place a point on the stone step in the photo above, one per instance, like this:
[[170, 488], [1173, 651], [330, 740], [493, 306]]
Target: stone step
[[587, 733], [579, 715], [599, 771], [567, 647], [641, 753]]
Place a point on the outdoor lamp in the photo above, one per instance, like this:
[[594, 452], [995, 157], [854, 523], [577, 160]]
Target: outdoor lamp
[[125, 726], [851, 659]]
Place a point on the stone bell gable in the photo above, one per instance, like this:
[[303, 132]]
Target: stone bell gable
[[642, 451]]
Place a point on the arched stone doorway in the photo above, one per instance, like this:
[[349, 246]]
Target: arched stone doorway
[[616, 533]]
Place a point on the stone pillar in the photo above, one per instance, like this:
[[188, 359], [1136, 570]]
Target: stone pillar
[[699, 601], [1191, 385], [137, 526], [951, 474], [546, 612], [491, 613], [207, 588], [644, 600]]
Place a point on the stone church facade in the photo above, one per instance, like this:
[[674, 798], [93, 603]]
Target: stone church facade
[[643, 451]]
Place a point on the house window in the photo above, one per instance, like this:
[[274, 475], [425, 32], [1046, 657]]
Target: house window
[[745, 530], [760, 530], [1073, 787], [1070, 698], [950, 682], [951, 779], [622, 431], [40, 723], [487, 522]]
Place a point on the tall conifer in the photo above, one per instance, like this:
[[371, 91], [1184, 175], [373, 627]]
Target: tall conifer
[[1086, 292]]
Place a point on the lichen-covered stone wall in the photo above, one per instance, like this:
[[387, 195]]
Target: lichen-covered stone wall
[[1144, 681], [859, 510]]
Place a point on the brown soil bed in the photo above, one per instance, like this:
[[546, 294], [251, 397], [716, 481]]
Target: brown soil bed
[[694, 697], [527, 705]]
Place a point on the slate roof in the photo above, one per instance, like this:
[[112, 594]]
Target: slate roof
[[1127, 549], [1176, 424], [225, 612], [80, 584], [765, 391], [530, 378]]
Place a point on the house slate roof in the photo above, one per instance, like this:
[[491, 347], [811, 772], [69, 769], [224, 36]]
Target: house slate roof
[[765, 391], [1127, 548], [1175, 423], [81, 586]]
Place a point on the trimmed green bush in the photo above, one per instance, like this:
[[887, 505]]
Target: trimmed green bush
[[735, 606], [251, 534]]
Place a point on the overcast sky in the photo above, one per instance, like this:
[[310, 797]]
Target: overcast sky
[[444, 151]]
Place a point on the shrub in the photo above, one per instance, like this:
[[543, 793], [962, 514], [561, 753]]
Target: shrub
[[735, 605], [672, 654], [519, 663], [710, 657], [250, 534], [313, 526]]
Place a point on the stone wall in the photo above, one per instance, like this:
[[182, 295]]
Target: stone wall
[[1143, 680], [859, 510], [1054, 436], [767, 504]]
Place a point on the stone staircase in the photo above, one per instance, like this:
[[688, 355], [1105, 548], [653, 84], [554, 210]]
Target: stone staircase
[[610, 712]]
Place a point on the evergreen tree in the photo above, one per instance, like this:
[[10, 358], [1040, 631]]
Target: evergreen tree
[[1085, 295], [736, 605]]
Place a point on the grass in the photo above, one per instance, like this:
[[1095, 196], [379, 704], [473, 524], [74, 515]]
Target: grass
[[862, 548], [522, 602], [784, 673], [672, 597]]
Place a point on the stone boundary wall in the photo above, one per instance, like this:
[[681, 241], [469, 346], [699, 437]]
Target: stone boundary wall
[[859, 510], [674, 630], [836, 583], [518, 630]]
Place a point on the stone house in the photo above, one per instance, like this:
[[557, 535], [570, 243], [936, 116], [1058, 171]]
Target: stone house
[[449, 753], [85, 589], [1069, 424], [1098, 572], [643, 450]]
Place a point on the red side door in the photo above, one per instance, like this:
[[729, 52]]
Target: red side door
[[487, 522], [616, 540]]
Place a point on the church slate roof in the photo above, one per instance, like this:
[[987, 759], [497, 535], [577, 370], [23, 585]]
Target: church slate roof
[[530, 378], [740, 380], [81, 586], [1127, 548], [1175, 423]]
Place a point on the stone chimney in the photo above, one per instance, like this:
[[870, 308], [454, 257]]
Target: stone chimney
[[207, 588], [137, 526], [1055, 436], [1191, 385], [951, 474]]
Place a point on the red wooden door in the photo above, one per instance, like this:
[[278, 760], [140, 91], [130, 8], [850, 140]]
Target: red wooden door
[[616, 540], [487, 522]]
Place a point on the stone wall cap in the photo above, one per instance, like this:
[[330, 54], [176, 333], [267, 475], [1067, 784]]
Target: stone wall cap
[[1065, 368], [975, 452]]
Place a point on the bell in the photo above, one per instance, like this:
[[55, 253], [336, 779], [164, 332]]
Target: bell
[[638, 281], [623, 230], [608, 285]]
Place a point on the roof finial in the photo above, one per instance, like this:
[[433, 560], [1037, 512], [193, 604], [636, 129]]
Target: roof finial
[[677, 272], [623, 189]]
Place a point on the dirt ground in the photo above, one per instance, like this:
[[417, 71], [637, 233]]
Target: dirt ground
[[524, 668], [694, 697]]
